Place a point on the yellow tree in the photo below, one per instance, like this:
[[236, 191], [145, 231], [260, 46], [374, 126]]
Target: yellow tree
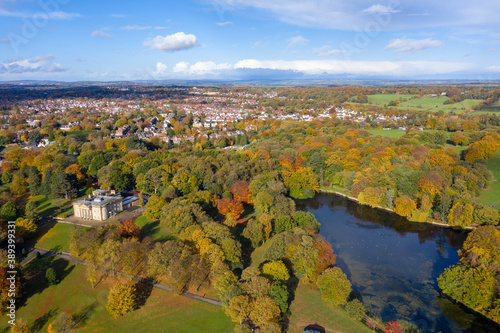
[[121, 300], [404, 205], [264, 310]]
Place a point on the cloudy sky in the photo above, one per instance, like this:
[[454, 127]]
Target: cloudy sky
[[240, 39]]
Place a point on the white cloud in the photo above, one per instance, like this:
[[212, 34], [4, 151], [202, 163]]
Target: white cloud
[[200, 68], [354, 14], [469, 54], [380, 9], [42, 64], [406, 45], [494, 68], [297, 40], [100, 33], [181, 67], [385, 68], [161, 68], [326, 50], [5, 40], [57, 15], [224, 23], [175, 42]]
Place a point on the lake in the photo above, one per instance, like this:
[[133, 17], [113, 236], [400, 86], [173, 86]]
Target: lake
[[394, 264]]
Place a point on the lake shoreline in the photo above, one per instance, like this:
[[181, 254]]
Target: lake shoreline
[[444, 225]]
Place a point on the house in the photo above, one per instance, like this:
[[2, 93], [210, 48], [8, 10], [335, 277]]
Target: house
[[102, 204]]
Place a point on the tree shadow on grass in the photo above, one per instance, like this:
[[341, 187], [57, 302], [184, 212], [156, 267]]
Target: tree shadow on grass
[[34, 274], [142, 293], [82, 316], [40, 322], [152, 229]]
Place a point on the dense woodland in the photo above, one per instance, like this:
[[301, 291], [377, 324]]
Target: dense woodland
[[221, 204]]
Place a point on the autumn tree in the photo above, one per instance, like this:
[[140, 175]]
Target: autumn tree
[[355, 309], [129, 229], [472, 286], [64, 323], [239, 308], [21, 326], [25, 228], [334, 286], [263, 310], [230, 206], [431, 183], [276, 271], [404, 205], [18, 186], [121, 300], [393, 327], [154, 207], [241, 191]]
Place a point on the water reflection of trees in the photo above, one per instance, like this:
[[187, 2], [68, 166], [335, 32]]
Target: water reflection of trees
[[425, 231], [464, 317]]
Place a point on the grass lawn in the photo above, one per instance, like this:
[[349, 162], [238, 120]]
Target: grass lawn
[[309, 308], [458, 149], [382, 99], [425, 103], [392, 133], [492, 195], [160, 312], [54, 236], [153, 229]]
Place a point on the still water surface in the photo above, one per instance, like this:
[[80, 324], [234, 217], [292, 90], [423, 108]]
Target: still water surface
[[394, 264]]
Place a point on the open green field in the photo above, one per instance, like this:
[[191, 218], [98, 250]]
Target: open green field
[[383, 99], [160, 312], [54, 236], [309, 308], [392, 133], [153, 229], [492, 109], [492, 195], [424, 103], [48, 207]]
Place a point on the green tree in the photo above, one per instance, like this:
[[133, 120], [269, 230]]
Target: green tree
[[254, 231], [30, 211], [472, 286], [9, 211], [47, 183], [355, 309], [121, 300], [62, 187], [279, 293], [154, 207], [34, 181], [6, 176], [334, 286], [51, 276]]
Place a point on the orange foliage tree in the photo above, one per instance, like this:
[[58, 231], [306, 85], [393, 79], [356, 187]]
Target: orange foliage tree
[[431, 183], [129, 229], [230, 206], [241, 191]]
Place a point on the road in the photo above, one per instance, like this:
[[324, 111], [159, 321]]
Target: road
[[154, 284]]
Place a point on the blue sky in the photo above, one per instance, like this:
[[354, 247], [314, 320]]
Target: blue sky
[[236, 39]]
